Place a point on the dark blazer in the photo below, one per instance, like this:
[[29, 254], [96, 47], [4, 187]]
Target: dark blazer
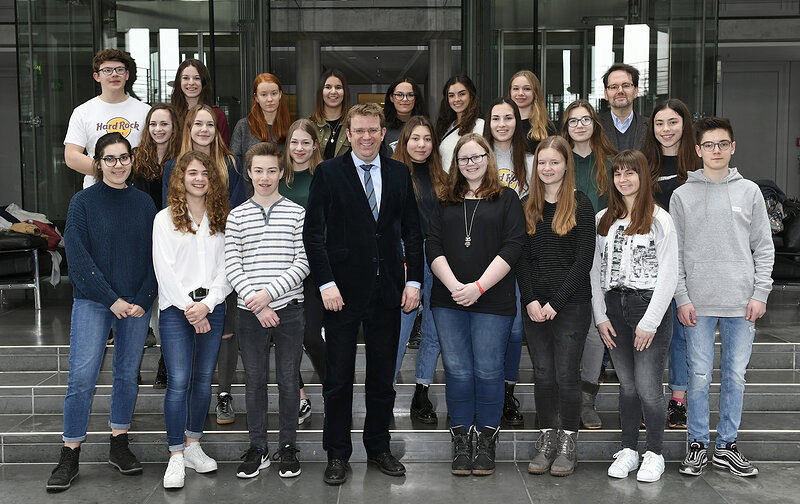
[[345, 244], [642, 125]]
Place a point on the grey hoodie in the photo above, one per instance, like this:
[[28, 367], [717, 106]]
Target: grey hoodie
[[725, 250]]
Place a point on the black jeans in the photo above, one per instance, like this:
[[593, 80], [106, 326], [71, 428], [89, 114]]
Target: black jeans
[[556, 348], [381, 336], [312, 338], [254, 340], [641, 389]]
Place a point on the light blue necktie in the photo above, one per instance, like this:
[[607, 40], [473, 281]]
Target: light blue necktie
[[370, 190]]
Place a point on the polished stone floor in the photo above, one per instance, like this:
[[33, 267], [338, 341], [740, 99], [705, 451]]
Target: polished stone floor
[[777, 483]]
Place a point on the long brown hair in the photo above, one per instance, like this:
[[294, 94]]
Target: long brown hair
[[601, 148], [316, 156], [217, 205], [687, 157], [206, 93], [219, 152], [438, 175], [642, 211], [255, 119], [146, 163], [519, 147], [448, 116], [564, 219], [457, 185], [540, 121], [319, 110]]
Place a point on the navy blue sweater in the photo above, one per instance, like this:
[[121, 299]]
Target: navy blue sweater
[[108, 239]]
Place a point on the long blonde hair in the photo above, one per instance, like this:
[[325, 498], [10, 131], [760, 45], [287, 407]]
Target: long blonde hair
[[564, 219], [316, 156], [220, 154], [540, 121]]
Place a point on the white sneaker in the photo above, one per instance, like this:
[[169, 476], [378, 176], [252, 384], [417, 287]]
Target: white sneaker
[[195, 458], [173, 477], [625, 461], [652, 468]]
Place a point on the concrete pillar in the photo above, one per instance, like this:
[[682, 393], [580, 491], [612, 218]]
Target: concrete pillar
[[309, 69], [440, 67]]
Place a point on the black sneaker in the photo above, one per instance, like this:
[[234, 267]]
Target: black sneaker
[[66, 470], [290, 466], [305, 411], [511, 415], [728, 457], [224, 409], [695, 460], [255, 459], [121, 456], [676, 414], [483, 463]]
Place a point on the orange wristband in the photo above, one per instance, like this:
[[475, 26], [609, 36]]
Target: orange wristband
[[480, 289]]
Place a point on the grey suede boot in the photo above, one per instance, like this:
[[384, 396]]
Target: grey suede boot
[[546, 447], [567, 457], [589, 417]]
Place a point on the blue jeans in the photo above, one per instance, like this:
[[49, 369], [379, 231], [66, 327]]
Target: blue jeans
[[91, 322], [678, 364], [473, 350], [429, 349], [514, 347], [190, 360], [737, 336]]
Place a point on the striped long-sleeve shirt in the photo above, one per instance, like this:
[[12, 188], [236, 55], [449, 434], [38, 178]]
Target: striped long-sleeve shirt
[[264, 250]]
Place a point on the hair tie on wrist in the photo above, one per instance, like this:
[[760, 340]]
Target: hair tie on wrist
[[480, 289]]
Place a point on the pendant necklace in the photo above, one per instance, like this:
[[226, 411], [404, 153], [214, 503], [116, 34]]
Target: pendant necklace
[[468, 229]]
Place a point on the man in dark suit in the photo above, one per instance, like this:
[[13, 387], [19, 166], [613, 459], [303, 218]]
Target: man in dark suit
[[624, 128], [360, 206]]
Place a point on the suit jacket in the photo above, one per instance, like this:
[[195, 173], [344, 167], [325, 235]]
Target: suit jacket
[[642, 125], [345, 244]]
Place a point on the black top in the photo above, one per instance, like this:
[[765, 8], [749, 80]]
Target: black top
[[153, 188], [666, 186], [426, 197], [555, 269], [532, 144], [330, 147], [497, 230]]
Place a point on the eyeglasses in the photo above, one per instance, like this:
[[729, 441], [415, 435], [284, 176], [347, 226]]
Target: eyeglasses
[[361, 131], [111, 161], [625, 87], [464, 161], [722, 144], [585, 120], [120, 70], [403, 96]]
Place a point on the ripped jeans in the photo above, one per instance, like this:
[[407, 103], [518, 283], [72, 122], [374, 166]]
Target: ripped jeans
[[737, 343]]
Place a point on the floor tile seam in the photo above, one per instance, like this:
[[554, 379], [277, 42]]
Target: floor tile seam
[[523, 478]]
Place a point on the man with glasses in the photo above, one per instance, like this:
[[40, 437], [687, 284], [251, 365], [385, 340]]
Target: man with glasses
[[623, 127], [111, 111], [360, 206], [724, 265]]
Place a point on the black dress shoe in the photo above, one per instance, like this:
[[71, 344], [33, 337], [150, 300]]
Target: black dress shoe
[[388, 464], [336, 472]]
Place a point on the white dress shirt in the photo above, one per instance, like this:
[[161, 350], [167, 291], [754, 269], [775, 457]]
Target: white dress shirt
[[184, 262]]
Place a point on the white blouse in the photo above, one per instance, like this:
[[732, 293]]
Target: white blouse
[[448, 144], [184, 262]]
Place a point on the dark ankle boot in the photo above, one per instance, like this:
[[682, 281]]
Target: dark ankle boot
[[421, 406], [589, 417], [483, 463], [511, 415], [462, 450], [121, 456], [66, 470], [161, 375], [567, 457]]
